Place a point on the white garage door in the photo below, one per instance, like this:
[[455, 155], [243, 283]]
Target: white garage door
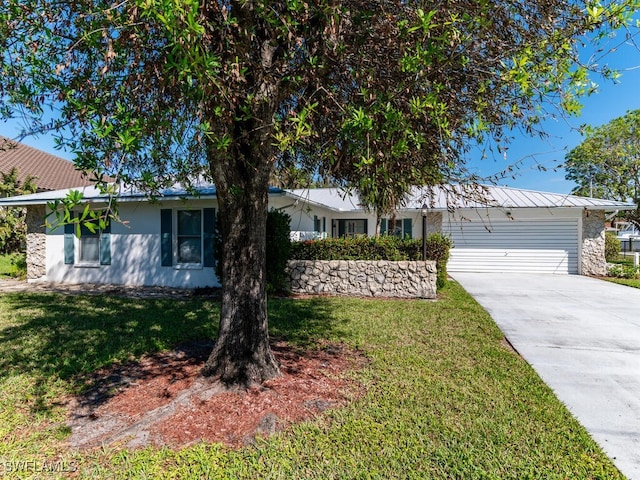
[[535, 246]]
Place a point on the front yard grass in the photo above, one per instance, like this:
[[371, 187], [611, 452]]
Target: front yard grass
[[629, 282], [445, 396], [6, 267], [12, 266]]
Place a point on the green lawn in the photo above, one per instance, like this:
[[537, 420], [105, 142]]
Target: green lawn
[[629, 282], [445, 398], [11, 266], [6, 268]]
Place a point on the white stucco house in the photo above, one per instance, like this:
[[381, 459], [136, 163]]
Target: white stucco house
[[170, 242]]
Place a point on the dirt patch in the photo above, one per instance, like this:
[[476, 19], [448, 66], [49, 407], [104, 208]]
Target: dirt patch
[[162, 399]]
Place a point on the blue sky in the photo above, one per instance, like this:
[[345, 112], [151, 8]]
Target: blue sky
[[612, 100]]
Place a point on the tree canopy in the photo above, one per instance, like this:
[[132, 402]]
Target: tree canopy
[[607, 163], [379, 94], [13, 229]]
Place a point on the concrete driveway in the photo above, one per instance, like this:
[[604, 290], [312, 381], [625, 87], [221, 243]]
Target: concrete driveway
[[582, 336]]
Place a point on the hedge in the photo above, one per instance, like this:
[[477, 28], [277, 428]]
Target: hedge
[[385, 247]]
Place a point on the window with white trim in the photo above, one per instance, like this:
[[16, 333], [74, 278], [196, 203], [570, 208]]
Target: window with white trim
[[186, 237]]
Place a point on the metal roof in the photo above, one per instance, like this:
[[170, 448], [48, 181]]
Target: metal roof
[[126, 194], [451, 197]]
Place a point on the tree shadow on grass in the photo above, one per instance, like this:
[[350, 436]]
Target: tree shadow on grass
[[70, 337]]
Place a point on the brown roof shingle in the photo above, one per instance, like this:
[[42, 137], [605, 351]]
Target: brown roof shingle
[[51, 172]]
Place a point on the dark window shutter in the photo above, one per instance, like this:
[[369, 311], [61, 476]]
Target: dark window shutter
[[324, 224], [316, 224], [366, 227], [105, 248], [208, 228], [383, 226], [105, 245], [407, 227], [342, 227], [69, 243], [166, 234]]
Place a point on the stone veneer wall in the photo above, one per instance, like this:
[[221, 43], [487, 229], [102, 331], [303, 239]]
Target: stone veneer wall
[[36, 242], [364, 278], [592, 258]]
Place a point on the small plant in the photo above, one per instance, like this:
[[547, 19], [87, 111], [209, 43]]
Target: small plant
[[18, 266], [611, 246], [623, 271]]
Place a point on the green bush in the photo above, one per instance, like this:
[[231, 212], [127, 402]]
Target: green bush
[[19, 266], [623, 271], [612, 246], [386, 247], [355, 248], [278, 250], [438, 247]]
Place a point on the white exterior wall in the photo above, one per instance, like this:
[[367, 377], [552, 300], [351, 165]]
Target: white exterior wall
[[526, 239], [135, 253]]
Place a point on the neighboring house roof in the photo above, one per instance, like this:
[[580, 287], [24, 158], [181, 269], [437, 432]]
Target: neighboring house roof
[[435, 198], [50, 172]]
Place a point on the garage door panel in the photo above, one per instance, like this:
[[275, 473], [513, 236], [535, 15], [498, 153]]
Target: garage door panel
[[540, 246], [491, 260]]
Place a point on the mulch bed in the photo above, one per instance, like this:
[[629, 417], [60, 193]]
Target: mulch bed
[[163, 400]]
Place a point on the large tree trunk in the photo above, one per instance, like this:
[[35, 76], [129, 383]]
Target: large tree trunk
[[242, 356]]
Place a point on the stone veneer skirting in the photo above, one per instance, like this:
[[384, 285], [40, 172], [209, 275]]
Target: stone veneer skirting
[[592, 251], [36, 242], [363, 278]]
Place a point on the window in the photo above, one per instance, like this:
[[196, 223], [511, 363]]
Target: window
[[355, 227], [402, 227], [352, 228], [189, 236], [89, 249], [186, 237]]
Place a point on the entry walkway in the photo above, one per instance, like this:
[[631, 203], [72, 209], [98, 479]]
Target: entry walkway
[[582, 336]]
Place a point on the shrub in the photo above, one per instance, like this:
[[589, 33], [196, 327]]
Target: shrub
[[356, 248], [623, 271], [611, 246], [13, 228], [19, 266], [438, 247], [382, 248], [278, 250]]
